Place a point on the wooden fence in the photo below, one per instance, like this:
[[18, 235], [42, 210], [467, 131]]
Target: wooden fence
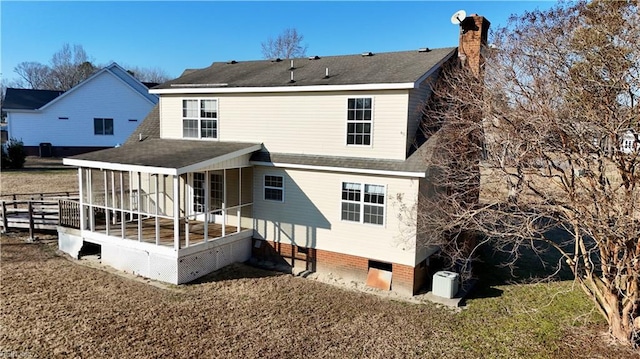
[[42, 211]]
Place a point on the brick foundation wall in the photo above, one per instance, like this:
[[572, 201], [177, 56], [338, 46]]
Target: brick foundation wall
[[405, 279]]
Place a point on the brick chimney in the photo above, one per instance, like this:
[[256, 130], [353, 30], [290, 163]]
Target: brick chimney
[[473, 37]]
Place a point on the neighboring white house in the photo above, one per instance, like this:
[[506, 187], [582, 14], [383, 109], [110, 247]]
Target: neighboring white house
[[301, 161], [98, 113]]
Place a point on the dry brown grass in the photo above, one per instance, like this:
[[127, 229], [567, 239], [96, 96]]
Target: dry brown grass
[[53, 307], [39, 175]]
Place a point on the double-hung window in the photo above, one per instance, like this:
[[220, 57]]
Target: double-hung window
[[363, 203], [274, 188], [200, 118], [103, 126], [359, 111]]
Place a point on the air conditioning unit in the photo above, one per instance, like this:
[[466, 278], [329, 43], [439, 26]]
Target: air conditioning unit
[[445, 284]]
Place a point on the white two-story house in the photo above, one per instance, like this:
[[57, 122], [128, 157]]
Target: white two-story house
[[306, 161]]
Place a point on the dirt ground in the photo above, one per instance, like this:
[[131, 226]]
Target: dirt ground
[[55, 307]]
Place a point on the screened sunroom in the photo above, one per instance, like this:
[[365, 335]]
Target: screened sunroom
[[171, 210]]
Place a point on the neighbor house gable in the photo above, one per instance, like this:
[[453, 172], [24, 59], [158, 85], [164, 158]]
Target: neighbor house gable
[[117, 72]]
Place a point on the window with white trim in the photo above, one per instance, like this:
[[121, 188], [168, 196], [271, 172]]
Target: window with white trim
[[274, 188], [363, 203], [200, 118], [359, 114]]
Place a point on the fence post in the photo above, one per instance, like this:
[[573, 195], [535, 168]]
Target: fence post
[[15, 205], [5, 222], [31, 238]]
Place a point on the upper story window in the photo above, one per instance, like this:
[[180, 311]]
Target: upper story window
[[103, 126], [200, 118], [363, 203], [359, 121]]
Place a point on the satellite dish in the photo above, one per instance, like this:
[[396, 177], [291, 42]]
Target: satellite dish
[[458, 17]]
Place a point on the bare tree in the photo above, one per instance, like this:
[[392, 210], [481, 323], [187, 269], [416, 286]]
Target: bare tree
[[149, 74], [559, 92], [68, 67], [33, 75], [287, 45]]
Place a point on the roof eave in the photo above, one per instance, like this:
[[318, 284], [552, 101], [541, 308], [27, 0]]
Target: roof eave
[[118, 166], [312, 88], [20, 110], [159, 170]]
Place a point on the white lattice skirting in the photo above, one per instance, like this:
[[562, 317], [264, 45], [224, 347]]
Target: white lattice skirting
[[159, 262]]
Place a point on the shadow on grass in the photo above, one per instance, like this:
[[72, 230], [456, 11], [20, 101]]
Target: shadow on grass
[[525, 264], [235, 271]]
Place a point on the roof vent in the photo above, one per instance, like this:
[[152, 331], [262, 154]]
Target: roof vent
[[326, 73], [277, 59], [424, 49], [366, 54], [292, 80], [292, 67], [314, 57], [232, 62]]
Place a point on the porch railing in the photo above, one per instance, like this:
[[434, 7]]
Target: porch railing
[[69, 213]]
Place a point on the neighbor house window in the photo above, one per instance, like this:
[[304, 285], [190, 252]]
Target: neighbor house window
[[359, 121], [273, 188], [103, 126], [200, 118], [363, 203]]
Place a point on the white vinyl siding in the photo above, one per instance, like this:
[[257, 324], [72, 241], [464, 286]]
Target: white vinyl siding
[[304, 123], [104, 96], [417, 98], [312, 215]]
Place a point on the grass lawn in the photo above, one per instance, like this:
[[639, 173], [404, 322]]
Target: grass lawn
[[54, 307]]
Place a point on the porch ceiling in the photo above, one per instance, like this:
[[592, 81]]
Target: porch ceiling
[[163, 156]]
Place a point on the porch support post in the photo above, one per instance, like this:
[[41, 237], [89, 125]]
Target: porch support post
[[113, 197], [83, 218], [164, 194], [107, 220], [239, 209], [92, 219], [157, 200], [176, 212], [187, 211], [139, 175], [224, 202], [123, 218], [207, 197]]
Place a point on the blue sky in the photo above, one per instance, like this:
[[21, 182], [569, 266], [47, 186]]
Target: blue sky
[[178, 35]]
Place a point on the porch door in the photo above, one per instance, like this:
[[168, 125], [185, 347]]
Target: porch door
[[216, 187]]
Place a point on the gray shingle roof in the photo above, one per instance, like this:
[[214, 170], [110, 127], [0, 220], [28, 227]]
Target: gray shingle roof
[[389, 67], [165, 153], [149, 128], [28, 99], [416, 163]]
